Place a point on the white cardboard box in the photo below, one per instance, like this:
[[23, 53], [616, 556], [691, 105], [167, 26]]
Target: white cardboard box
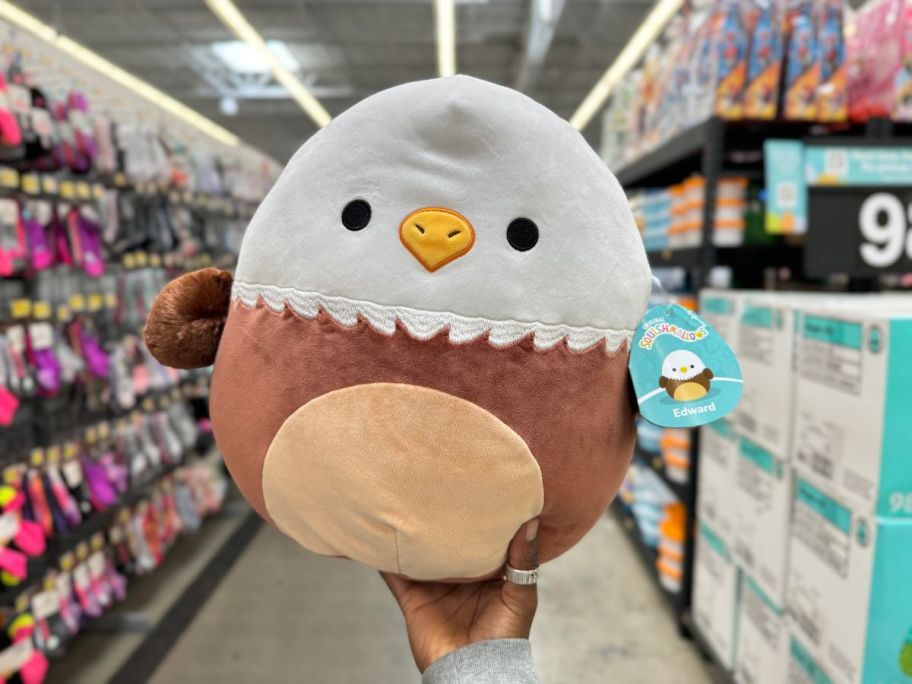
[[721, 309], [765, 352], [849, 589], [803, 664], [762, 646], [716, 500], [763, 493], [715, 594], [853, 408]]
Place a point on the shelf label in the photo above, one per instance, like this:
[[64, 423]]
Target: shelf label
[[859, 231]]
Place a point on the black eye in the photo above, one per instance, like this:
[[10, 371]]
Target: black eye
[[691, 365], [356, 215], [522, 234]]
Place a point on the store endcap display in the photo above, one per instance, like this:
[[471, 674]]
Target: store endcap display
[[425, 343]]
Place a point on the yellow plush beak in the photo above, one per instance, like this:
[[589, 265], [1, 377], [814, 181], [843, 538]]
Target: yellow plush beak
[[436, 236]]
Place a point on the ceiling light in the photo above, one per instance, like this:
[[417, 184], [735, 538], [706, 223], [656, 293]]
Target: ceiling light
[[26, 21], [231, 16], [242, 58], [445, 17], [645, 36]]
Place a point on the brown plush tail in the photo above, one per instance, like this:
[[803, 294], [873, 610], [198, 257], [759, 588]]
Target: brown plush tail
[[186, 321]]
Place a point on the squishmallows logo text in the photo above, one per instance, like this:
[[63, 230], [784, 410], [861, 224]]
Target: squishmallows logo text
[[655, 330]]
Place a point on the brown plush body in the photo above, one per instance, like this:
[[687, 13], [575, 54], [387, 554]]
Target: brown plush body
[[269, 364]]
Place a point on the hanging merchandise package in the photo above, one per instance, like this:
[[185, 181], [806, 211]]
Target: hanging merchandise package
[[684, 373]]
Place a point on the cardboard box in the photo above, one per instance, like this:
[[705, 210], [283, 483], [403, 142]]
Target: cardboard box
[[803, 665], [716, 500], [853, 405], [715, 593], [766, 337], [763, 492], [721, 309], [849, 589], [762, 646]]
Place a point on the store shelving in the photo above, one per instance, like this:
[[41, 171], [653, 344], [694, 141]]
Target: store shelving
[[653, 461], [714, 149], [647, 554]]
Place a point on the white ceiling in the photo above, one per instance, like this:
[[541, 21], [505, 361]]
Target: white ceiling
[[348, 49]]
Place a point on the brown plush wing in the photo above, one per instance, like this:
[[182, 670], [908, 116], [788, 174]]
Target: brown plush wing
[[708, 374], [186, 321]]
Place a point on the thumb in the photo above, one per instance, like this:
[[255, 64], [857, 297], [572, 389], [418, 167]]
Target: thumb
[[522, 599]]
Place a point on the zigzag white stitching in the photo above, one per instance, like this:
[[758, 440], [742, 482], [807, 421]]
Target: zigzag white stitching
[[426, 324]]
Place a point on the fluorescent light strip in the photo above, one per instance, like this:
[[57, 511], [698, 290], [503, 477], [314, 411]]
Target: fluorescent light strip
[[445, 16], [648, 32], [27, 22], [231, 16]]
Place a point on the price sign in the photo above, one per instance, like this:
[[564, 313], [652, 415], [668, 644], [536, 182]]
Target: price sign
[[859, 207], [859, 231]]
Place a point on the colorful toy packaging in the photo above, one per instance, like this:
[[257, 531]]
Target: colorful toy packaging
[[879, 57], [767, 50], [832, 91], [731, 49], [802, 69]]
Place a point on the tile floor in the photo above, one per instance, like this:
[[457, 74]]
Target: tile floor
[[284, 615]]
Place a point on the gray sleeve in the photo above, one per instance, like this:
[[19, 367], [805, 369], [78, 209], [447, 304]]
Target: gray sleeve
[[499, 661]]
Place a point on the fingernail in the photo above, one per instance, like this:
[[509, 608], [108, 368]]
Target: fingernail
[[531, 529]]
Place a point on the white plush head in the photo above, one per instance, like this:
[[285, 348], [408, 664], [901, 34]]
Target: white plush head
[[682, 365], [486, 156]]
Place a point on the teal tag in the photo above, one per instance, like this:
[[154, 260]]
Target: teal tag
[[684, 373]]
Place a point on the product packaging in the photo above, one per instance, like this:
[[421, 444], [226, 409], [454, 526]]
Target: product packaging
[[762, 647], [722, 310], [732, 51], [849, 595], [853, 409], [802, 69], [832, 101], [762, 490], [766, 336], [767, 53], [786, 192], [715, 593], [717, 500]]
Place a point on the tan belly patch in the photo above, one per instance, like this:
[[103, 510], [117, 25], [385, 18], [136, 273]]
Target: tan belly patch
[[689, 391], [403, 478]]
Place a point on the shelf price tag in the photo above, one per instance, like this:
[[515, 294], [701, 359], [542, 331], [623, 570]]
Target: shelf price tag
[[859, 210], [67, 189], [858, 231]]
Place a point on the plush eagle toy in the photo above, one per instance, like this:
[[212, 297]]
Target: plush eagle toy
[[425, 343]]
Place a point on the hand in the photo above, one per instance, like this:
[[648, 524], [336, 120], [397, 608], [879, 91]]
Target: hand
[[443, 617]]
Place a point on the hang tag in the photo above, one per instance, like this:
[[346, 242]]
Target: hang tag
[[684, 373]]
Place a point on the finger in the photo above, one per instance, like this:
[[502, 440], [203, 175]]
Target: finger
[[523, 552]]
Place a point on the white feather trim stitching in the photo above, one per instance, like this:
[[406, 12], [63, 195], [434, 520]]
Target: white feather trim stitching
[[426, 324]]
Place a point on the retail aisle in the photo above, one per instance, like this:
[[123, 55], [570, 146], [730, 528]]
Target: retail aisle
[[285, 615]]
